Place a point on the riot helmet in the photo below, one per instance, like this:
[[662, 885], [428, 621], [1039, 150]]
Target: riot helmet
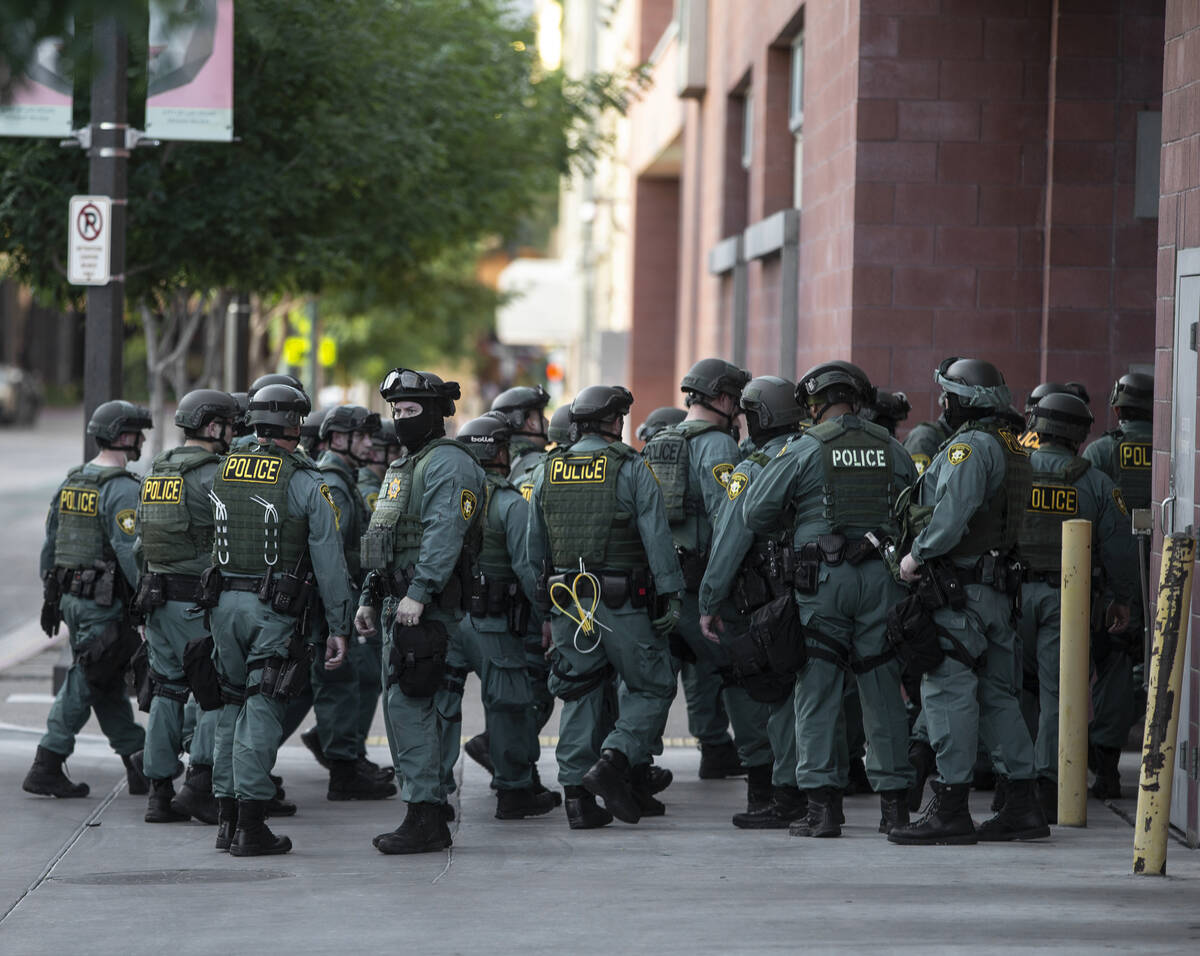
[[559, 430], [1079, 390], [971, 389], [657, 420], [598, 404], [710, 378], [240, 426], [113, 419], [276, 411], [1133, 396], [1064, 417], [280, 378], [771, 408], [834, 383], [487, 437], [1041, 391], [435, 398], [889, 409], [202, 406], [515, 404], [310, 429]]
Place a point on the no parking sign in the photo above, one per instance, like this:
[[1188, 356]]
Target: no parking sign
[[89, 245]]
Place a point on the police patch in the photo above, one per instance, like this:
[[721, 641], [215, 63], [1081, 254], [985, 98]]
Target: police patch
[[258, 469], [466, 504], [921, 461], [737, 484], [527, 491], [127, 521], [1120, 501], [1013, 443], [78, 501], [162, 490], [337, 512], [957, 453], [372, 500], [394, 488], [722, 472]]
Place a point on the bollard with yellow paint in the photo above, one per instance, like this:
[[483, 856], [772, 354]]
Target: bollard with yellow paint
[[1074, 693], [1165, 667]]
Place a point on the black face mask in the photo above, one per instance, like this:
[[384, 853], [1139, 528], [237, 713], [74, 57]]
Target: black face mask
[[416, 432]]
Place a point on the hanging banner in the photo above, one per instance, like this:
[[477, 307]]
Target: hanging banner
[[41, 100], [190, 74]]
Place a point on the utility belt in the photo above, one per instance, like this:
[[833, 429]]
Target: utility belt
[[832, 549], [156, 589], [292, 593], [489, 597], [1052, 578], [100, 583], [693, 564], [284, 678], [616, 587], [382, 584]]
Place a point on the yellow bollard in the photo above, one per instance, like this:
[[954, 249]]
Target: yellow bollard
[[1074, 693], [1165, 667]]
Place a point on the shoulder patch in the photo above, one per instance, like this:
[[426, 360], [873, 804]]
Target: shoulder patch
[[127, 521], [921, 461], [466, 504], [1013, 443], [527, 491], [372, 499], [737, 484], [1117, 497], [393, 488], [337, 512], [957, 453], [722, 472]]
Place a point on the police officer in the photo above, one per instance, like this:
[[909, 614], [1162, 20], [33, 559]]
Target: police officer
[[889, 410], [693, 461], [598, 511], [337, 740], [175, 534], [1124, 454], [276, 528], [310, 433], [90, 575], [1065, 487], [384, 450], [659, 419], [1029, 438], [524, 410], [839, 480], [741, 566], [241, 427], [414, 548], [247, 438], [925, 438], [973, 495], [490, 640]]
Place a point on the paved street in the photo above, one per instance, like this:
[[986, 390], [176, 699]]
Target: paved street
[[90, 876]]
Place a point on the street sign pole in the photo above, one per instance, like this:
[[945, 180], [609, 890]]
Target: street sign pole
[[108, 155]]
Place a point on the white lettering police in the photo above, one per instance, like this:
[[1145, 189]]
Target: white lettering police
[[859, 458]]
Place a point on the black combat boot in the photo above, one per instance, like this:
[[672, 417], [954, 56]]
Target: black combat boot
[[195, 797], [519, 804], [253, 837], [1107, 785], [1000, 794], [1020, 818], [857, 781], [640, 784], [983, 776], [947, 819], [787, 805], [227, 818], [718, 761], [759, 790], [609, 779], [658, 778], [583, 813], [279, 805], [1048, 797], [135, 777], [924, 762], [478, 748], [312, 740], [424, 830], [893, 809], [348, 782], [539, 788], [47, 779], [824, 812], [368, 766], [158, 807]]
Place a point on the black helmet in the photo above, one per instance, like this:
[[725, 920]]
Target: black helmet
[[112, 419], [385, 435], [1041, 391], [487, 436], [349, 418], [657, 420], [199, 407], [711, 377], [406, 385], [276, 409], [1135, 391], [1062, 415], [836, 382], [888, 410], [1079, 390], [973, 384], [771, 407], [310, 428], [559, 429], [279, 378], [600, 402], [239, 423], [517, 402]]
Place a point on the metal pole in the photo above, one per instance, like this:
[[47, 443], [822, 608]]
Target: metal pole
[[1074, 695], [1166, 665], [237, 343], [104, 327], [314, 342]]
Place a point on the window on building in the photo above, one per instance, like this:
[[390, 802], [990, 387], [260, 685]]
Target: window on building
[[748, 129], [796, 118]]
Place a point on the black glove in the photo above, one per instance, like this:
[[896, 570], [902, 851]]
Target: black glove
[[50, 618]]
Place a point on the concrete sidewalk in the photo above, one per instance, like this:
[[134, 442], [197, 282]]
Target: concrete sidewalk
[[96, 879]]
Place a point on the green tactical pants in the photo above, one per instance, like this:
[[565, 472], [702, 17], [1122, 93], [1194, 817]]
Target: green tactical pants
[[367, 658], [781, 732], [248, 735], [1040, 628], [168, 630], [413, 726], [642, 661], [539, 676], [850, 610], [336, 706], [1114, 697], [76, 699], [709, 716], [962, 706], [486, 647], [199, 737]]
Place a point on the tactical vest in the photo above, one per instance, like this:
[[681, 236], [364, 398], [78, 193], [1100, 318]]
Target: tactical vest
[[494, 561], [579, 500], [353, 542], [996, 526], [1053, 499], [667, 455], [254, 531], [393, 538], [1132, 459], [80, 540], [175, 516], [859, 484]]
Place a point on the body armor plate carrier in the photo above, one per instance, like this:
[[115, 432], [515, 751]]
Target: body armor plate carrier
[[175, 516], [253, 529], [80, 540]]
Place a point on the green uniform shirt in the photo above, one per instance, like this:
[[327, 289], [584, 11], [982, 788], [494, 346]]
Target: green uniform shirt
[[731, 537], [924, 441], [117, 508], [368, 486], [352, 513], [637, 494], [711, 457]]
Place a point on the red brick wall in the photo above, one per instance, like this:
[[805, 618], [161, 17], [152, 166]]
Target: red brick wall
[[655, 296]]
